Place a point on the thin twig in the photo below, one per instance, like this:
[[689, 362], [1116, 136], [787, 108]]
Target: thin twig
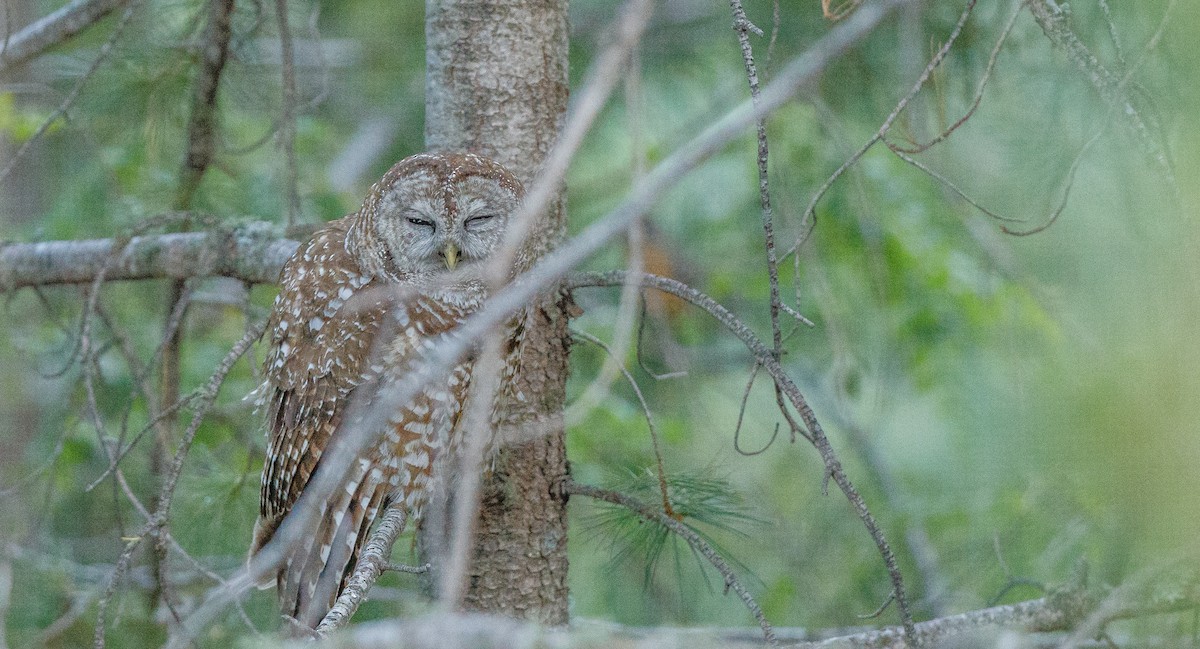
[[1068, 183], [741, 25], [371, 563], [660, 467], [1111, 88], [949, 184], [810, 215], [982, 85], [69, 100], [687, 534], [156, 523], [763, 355], [657, 376], [202, 123], [1112, 33], [737, 428]]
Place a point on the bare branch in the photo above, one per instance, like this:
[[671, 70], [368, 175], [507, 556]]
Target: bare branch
[[371, 563], [742, 26], [69, 100], [154, 528], [810, 213], [54, 29], [202, 124], [983, 81], [1053, 21], [764, 357], [252, 253], [654, 441]]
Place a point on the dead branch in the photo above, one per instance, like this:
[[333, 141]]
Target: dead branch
[[1041, 622], [743, 27], [371, 563], [54, 29], [252, 253], [919, 147], [69, 100], [810, 212], [1053, 19], [155, 526], [656, 446]]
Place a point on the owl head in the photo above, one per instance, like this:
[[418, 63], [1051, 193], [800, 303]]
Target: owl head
[[433, 217]]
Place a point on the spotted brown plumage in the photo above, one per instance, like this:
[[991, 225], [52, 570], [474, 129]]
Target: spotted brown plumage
[[360, 304]]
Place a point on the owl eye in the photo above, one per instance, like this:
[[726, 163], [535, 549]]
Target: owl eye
[[478, 222], [419, 222]]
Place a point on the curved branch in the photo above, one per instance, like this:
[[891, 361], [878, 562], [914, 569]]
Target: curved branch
[[764, 356]]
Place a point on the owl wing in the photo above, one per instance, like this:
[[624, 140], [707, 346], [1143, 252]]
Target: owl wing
[[395, 465], [322, 327]]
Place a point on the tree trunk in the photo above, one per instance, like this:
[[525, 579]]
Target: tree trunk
[[496, 85]]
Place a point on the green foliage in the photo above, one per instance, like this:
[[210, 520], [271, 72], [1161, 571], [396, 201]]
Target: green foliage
[[694, 498]]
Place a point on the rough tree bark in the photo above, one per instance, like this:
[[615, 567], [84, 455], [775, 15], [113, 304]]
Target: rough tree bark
[[496, 84]]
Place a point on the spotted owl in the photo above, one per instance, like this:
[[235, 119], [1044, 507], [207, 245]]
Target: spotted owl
[[359, 304]]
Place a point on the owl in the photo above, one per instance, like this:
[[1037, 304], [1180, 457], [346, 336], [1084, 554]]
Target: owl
[[359, 304]]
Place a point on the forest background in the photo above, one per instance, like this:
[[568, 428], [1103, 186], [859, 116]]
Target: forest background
[[1010, 406]]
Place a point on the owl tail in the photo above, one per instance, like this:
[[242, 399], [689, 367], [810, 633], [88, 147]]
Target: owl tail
[[318, 567]]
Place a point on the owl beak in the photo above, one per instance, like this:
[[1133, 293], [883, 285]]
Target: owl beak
[[450, 252]]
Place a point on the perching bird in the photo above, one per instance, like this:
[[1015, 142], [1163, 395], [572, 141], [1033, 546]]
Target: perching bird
[[359, 304]]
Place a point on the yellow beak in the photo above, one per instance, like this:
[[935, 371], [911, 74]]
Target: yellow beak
[[450, 252]]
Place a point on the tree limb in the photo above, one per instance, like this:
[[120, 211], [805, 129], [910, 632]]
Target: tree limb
[[252, 253], [53, 29], [371, 563], [1050, 615]]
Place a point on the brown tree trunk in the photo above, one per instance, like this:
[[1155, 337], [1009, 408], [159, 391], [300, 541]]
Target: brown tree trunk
[[496, 85]]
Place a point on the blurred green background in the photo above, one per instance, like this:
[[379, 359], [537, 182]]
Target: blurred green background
[[1031, 400]]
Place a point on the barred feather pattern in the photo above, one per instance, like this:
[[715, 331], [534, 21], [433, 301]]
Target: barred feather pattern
[[353, 318]]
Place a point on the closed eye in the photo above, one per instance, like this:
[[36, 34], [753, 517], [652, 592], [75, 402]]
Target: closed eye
[[479, 221], [420, 222]]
